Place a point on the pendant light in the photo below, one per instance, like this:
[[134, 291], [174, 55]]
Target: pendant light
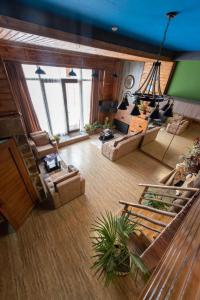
[[135, 111], [151, 89], [155, 113], [122, 106], [169, 111], [72, 73], [166, 106], [39, 71]]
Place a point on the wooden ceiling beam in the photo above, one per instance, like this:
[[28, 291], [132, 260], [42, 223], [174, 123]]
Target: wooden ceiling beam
[[32, 28]]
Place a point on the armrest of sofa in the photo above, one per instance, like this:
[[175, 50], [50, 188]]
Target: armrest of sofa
[[63, 177], [31, 143]]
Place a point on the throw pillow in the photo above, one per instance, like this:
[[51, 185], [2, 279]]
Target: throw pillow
[[41, 139]]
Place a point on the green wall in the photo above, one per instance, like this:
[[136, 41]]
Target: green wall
[[185, 82]]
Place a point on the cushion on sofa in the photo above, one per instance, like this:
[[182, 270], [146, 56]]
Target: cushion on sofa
[[41, 139], [124, 138]]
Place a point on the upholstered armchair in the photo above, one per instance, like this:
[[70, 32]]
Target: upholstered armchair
[[42, 144], [177, 127], [64, 186]]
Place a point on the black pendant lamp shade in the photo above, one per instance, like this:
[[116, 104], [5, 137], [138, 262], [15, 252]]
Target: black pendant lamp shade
[[166, 106], [39, 71], [155, 113], [152, 103], [126, 100], [169, 111], [72, 73], [122, 106], [150, 90], [135, 111], [94, 74]]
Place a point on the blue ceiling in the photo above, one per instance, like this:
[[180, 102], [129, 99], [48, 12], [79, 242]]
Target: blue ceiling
[[143, 20]]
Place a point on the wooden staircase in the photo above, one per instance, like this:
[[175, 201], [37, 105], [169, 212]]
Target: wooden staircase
[[156, 227]]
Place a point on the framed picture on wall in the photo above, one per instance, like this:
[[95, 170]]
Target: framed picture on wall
[[129, 82]]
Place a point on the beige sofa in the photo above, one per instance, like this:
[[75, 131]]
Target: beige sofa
[[124, 145]]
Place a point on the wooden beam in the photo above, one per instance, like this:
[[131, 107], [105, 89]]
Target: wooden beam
[[20, 25], [147, 227]]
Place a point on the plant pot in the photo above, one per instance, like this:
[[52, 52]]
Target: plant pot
[[124, 268]]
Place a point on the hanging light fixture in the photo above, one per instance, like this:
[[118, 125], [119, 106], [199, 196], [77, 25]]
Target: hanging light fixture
[[39, 71], [155, 115], [94, 74], [135, 111], [166, 106], [122, 105], [169, 111], [150, 89], [72, 73]]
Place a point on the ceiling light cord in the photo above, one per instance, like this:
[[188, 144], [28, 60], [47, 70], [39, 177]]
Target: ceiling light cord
[[164, 38]]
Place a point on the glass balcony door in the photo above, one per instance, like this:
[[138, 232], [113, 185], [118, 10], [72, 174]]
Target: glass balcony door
[[72, 99]]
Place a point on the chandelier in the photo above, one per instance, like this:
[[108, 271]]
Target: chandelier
[[150, 90]]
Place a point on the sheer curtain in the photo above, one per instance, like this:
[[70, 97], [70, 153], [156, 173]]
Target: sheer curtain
[[22, 97]]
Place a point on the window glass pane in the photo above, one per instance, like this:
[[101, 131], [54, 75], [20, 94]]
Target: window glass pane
[[87, 74], [29, 71], [73, 105], [38, 103], [56, 107], [86, 90]]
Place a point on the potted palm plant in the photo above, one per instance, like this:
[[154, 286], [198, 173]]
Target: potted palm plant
[[110, 243]]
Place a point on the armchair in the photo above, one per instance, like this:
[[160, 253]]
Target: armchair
[[177, 127], [42, 144], [64, 186]]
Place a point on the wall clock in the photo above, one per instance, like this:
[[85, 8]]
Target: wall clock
[[129, 82]]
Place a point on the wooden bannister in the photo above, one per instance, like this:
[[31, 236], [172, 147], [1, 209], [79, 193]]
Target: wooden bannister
[[177, 275]]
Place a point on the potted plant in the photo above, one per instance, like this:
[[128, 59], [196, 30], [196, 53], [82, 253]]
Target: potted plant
[[92, 128], [110, 243]]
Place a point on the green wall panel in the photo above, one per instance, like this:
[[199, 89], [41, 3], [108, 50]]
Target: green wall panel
[[186, 80]]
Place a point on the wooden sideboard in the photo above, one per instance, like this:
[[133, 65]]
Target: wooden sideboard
[[17, 195]]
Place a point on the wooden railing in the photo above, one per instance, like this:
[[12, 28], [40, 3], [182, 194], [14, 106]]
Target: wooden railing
[[177, 275]]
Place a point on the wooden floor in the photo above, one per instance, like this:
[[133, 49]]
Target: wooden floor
[[50, 256]]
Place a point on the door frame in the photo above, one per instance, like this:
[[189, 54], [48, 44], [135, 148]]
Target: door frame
[[63, 82]]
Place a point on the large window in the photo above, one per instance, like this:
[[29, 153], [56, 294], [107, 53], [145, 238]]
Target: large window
[[61, 102]]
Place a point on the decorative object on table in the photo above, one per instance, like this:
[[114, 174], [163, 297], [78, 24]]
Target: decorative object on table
[[107, 124], [57, 138], [52, 162], [129, 81], [110, 237], [106, 135]]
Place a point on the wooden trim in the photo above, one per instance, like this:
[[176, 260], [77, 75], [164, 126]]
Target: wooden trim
[[147, 219], [169, 187], [169, 196], [161, 212], [165, 202]]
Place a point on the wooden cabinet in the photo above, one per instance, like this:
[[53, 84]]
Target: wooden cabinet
[[17, 195]]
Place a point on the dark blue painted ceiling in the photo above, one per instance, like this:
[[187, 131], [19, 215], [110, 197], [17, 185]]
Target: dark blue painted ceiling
[[140, 19]]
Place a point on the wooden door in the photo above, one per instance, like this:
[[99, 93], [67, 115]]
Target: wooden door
[[16, 200]]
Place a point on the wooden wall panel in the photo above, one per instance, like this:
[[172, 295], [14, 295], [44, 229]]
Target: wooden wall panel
[[7, 103], [166, 69]]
